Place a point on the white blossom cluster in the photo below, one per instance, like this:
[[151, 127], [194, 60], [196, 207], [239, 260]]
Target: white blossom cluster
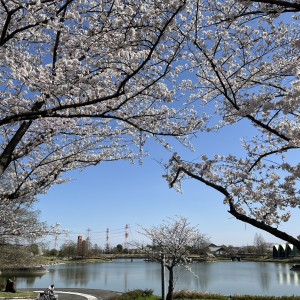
[[173, 239], [14, 218], [245, 59], [83, 82]]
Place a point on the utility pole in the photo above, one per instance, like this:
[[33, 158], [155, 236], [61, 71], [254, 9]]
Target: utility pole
[[107, 240], [126, 237], [88, 239], [56, 242]]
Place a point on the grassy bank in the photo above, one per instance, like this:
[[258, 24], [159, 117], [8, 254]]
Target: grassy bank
[[148, 295], [190, 295], [18, 295]]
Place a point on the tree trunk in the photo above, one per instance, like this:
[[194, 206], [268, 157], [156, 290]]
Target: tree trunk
[[171, 284]]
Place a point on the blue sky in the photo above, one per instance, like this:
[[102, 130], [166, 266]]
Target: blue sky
[[114, 194]]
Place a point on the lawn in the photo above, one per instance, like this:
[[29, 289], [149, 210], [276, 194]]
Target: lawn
[[190, 295], [22, 295]]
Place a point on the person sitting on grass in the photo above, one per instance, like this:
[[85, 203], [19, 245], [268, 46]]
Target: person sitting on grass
[[10, 286]]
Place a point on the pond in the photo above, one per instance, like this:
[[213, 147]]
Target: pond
[[227, 278]]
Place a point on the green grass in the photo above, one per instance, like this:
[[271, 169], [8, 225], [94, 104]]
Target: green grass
[[136, 295], [192, 295], [248, 297], [23, 294]]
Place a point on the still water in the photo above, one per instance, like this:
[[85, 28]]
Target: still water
[[226, 278]]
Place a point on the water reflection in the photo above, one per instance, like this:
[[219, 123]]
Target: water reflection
[[286, 276], [74, 274], [28, 279], [227, 278], [265, 276]]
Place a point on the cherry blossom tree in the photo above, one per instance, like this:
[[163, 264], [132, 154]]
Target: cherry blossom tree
[[260, 244], [14, 219], [245, 56], [13, 256], [20, 224], [83, 82], [19, 227], [172, 241]]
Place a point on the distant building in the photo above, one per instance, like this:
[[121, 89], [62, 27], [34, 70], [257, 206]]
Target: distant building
[[80, 245], [216, 250], [284, 251]]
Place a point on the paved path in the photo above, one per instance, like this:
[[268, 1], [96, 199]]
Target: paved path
[[89, 297], [81, 294]]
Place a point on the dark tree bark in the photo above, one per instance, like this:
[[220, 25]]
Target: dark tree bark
[[171, 284]]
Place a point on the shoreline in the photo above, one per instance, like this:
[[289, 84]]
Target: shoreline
[[24, 270], [41, 268], [293, 260]]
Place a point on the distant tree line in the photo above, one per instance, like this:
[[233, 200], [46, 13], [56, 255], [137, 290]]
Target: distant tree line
[[32, 254]]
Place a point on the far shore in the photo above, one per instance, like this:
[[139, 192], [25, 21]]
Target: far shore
[[194, 258], [24, 270], [42, 266]]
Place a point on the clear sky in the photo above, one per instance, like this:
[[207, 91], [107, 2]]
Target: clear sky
[[115, 194]]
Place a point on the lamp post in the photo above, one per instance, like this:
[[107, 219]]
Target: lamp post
[[162, 276]]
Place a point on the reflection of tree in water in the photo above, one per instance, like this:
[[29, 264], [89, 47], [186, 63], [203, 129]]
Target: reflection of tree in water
[[265, 276], [198, 278], [74, 274], [29, 280], [152, 271], [195, 279]]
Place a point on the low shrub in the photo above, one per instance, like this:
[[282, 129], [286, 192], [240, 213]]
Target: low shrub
[[136, 295], [185, 294]]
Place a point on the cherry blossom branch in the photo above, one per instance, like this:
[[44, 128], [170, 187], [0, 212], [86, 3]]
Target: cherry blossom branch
[[285, 4], [6, 155], [119, 91], [232, 210], [266, 154], [228, 88], [263, 226]]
